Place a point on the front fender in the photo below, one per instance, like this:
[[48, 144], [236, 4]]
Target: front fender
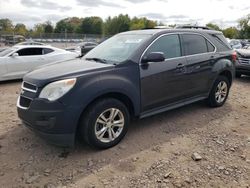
[[123, 80]]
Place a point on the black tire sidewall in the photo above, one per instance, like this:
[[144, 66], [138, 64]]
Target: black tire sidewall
[[212, 101], [88, 125]]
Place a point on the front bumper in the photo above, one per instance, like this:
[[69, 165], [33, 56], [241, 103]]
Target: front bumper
[[53, 121]]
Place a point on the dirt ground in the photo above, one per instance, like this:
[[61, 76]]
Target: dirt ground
[[156, 152]]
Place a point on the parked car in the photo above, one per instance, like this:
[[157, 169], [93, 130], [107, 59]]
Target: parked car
[[245, 43], [16, 61], [2, 49], [246, 47], [235, 44], [243, 64], [13, 39], [82, 48], [133, 74]]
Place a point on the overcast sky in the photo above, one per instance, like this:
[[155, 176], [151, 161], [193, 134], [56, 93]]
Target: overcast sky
[[222, 12]]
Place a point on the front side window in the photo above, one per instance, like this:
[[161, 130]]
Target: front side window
[[194, 44], [169, 45], [29, 51]]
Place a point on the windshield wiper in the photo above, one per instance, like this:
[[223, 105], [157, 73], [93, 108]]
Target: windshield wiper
[[97, 59]]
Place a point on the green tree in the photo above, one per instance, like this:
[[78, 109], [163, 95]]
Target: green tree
[[62, 26], [244, 25], [71, 25], [213, 26], [6, 25], [117, 24], [38, 29], [231, 32], [20, 29], [48, 27], [91, 25], [142, 23]]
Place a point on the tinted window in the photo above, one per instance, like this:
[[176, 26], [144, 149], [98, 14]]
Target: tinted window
[[30, 51], [210, 47], [169, 45], [47, 51], [220, 42], [194, 44]]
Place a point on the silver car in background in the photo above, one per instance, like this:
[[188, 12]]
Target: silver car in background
[[18, 60]]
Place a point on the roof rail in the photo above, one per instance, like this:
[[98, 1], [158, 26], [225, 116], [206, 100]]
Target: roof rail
[[162, 27], [192, 27]]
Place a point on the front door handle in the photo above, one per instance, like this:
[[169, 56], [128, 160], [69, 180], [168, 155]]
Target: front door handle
[[180, 66]]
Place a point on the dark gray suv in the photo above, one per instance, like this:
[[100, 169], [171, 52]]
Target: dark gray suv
[[133, 74]]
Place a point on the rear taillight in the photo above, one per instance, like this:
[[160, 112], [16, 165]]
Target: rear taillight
[[234, 56]]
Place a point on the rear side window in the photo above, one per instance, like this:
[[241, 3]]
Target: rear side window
[[194, 44], [168, 44], [30, 51], [47, 51]]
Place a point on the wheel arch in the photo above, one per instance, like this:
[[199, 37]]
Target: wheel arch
[[125, 99]]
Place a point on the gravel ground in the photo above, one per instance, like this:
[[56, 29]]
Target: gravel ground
[[193, 146]]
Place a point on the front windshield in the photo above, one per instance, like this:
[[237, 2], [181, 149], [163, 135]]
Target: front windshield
[[118, 48], [7, 51]]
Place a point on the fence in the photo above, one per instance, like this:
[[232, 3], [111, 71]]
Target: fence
[[12, 38]]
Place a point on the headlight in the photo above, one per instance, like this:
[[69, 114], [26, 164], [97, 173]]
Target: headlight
[[55, 90]]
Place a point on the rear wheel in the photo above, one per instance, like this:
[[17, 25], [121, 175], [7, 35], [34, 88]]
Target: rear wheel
[[219, 92], [105, 123]]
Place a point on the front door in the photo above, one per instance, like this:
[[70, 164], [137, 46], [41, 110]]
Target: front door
[[163, 83], [27, 59]]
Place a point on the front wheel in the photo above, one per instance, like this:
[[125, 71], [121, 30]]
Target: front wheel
[[105, 123], [219, 92]]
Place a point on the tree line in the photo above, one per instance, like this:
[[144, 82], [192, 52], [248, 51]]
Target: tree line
[[110, 26], [87, 25]]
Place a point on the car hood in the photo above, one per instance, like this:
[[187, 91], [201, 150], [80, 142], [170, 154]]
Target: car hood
[[66, 69], [244, 53]]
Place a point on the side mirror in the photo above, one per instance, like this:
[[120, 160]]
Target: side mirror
[[153, 57], [14, 55]]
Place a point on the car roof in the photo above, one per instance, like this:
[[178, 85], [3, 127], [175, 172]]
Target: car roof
[[34, 46], [162, 31]]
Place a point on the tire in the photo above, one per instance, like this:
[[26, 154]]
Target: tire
[[97, 120], [238, 75], [219, 93]]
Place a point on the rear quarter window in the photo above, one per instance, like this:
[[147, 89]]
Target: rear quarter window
[[47, 51], [220, 42]]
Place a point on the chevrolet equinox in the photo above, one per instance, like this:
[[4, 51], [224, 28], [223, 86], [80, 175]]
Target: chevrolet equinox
[[132, 74]]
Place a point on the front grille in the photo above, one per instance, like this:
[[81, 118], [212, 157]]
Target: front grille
[[29, 87], [244, 61], [24, 102]]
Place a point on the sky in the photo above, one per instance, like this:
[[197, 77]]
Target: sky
[[225, 13]]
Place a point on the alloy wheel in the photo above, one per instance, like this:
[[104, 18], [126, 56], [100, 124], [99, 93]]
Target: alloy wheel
[[109, 125], [221, 92]]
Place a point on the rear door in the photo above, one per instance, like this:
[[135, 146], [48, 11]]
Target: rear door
[[200, 54], [164, 82]]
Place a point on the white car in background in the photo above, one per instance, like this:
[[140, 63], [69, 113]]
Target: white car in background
[[18, 60]]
